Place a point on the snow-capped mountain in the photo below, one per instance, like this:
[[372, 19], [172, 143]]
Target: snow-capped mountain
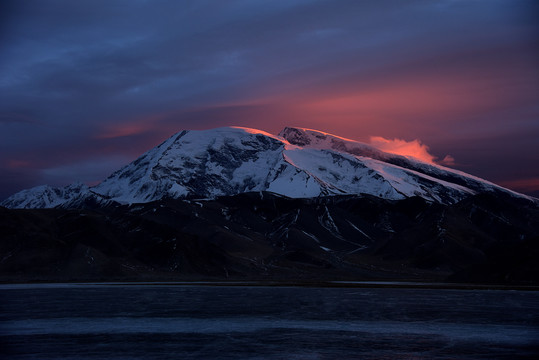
[[45, 196], [298, 163]]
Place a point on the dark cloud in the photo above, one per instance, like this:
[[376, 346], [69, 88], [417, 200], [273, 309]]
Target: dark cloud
[[82, 80], [15, 118]]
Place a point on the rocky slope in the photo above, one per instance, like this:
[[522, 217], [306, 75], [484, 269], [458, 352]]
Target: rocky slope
[[262, 236]]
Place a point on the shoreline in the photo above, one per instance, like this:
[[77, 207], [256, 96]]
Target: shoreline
[[254, 283]]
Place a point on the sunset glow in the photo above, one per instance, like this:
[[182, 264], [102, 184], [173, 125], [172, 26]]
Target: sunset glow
[[447, 82], [522, 185], [414, 149]]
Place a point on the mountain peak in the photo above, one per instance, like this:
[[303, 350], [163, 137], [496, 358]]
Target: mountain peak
[[303, 136], [228, 131]]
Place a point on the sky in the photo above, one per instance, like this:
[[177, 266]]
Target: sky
[[87, 86]]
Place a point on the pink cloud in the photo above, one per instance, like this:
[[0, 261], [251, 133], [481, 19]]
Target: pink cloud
[[522, 185], [448, 160], [123, 130], [133, 126], [18, 164], [414, 148]]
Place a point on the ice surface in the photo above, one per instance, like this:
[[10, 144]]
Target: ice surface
[[149, 325], [118, 321]]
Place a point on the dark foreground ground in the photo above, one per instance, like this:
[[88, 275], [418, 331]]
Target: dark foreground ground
[[264, 237]]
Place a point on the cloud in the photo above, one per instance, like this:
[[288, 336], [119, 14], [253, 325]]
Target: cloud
[[448, 160], [528, 185], [131, 127], [15, 118], [18, 164], [91, 171], [414, 148]]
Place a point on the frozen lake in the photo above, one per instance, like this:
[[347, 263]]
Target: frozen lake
[[97, 321]]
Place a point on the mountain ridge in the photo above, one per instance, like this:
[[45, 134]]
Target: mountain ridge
[[485, 238], [297, 163]]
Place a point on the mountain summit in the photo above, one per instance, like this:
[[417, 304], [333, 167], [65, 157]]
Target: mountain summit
[[298, 163]]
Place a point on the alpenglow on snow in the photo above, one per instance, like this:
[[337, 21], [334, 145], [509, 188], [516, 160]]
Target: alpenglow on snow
[[298, 163]]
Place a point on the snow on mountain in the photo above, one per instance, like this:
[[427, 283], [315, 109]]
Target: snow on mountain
[[45, 196], [201, 164], [308, 138], [231, 160]]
